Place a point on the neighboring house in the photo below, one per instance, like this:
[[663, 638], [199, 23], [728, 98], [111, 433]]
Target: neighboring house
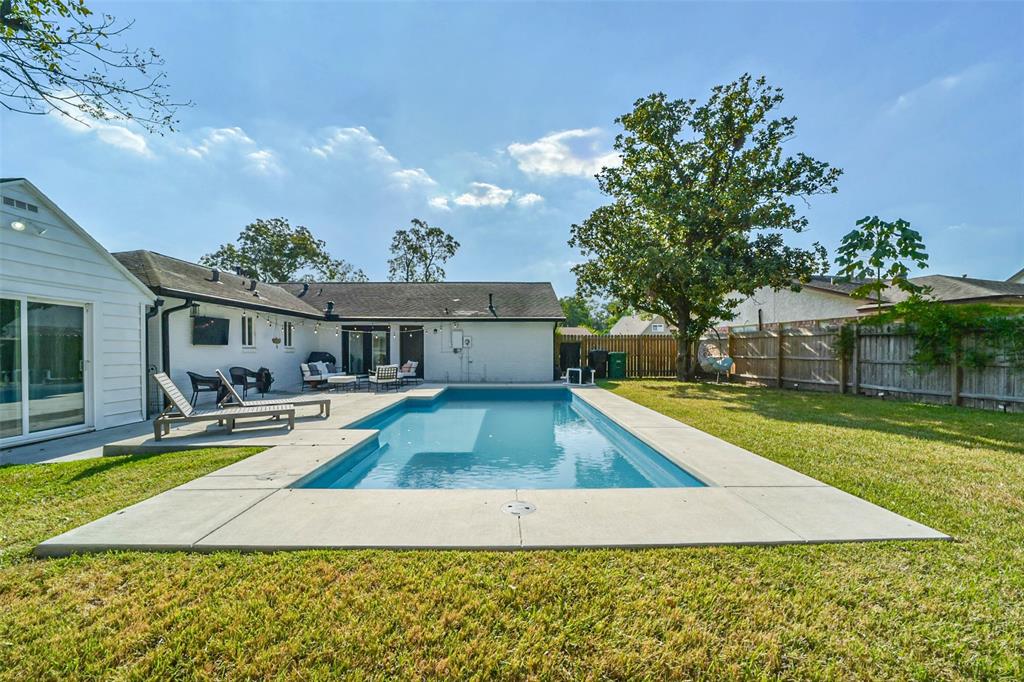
[[826, 300], [457, 331], [207, 319], [637, 325], [1017, 278], [575, 331], [823, 299], [72, 319]]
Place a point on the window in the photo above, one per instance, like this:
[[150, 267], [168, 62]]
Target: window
[[288, 328], [248, 329], [657, 328]]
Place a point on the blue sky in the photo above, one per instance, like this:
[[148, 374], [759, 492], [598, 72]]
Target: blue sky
[[489, 120]]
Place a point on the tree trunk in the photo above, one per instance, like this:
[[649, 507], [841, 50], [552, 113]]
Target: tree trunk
[[684, 368]]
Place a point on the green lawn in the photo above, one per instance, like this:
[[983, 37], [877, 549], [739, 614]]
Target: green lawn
[[925, 610]]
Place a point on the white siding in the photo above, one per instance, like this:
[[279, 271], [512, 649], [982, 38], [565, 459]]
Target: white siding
[[514, 352], [785, 305], [282, 361], [63, 266]]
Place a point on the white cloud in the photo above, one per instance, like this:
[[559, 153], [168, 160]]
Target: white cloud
[[114, 132], [234, 146], [357, 140], [440, 203], [218, 138], [529, 199], [569, 152], [264, 162], [940, 87], [407, 178], [484, 194]]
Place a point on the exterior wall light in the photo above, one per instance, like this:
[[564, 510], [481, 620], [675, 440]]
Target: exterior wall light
[[18, 226]]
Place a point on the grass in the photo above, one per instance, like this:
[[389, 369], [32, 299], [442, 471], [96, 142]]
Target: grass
[[896, 610]]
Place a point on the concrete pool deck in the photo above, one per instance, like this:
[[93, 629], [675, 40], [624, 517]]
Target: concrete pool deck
[[249, 506]]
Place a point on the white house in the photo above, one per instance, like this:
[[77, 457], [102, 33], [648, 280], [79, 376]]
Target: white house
[[826, 300], [821, 300], [641, 325], [72, 319], [207, 319], [457, 331]]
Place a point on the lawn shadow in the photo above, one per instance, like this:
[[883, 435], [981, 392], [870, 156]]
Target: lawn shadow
[[113, 462], [940, 423]]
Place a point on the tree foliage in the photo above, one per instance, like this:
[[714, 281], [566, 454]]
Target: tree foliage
[[879, 252], [55, 55], [419, 253], [699, 203], [274, 251], [941, 332]]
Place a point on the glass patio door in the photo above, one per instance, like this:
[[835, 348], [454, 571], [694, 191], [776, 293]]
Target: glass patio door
[[42, 367]]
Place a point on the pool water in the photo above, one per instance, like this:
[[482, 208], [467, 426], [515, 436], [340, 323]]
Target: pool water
[[499, 438]]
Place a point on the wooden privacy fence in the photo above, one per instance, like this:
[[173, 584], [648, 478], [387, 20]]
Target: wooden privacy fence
[[646, 356], [808, 358]]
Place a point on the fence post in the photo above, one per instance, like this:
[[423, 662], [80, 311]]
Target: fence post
[[855, 361], [778, 357], [956, 378], [728, 348], [844, 365]]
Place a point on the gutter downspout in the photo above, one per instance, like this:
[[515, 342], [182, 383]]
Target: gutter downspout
[[165, 335], [150, 314]]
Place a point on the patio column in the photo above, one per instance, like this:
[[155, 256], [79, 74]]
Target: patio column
[[394, 338]]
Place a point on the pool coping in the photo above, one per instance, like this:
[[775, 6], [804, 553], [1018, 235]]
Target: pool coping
[[250, 506]]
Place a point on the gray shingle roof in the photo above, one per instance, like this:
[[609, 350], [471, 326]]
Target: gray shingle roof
[[946, 288], [168, 276], [433, 300], [831, 283]]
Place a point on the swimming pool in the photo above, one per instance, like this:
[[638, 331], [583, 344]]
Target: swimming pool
[[499, 438]]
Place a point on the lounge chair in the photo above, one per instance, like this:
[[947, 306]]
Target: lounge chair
[[407, 373], [385, 377], [234, 400], [181, 411]]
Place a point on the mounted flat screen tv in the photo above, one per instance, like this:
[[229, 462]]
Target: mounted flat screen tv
[[209, 331]]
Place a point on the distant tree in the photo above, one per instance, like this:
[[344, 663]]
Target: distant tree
[[698, 206], [54, 56], [879, 252], [577, 312], [419, 253], [274, 251]]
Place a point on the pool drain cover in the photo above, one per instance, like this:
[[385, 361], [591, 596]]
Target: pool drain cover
[[518, 508]]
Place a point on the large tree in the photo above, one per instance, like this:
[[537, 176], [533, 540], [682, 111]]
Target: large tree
[[419, 253], [274, 251], [699, 204], [55, 55]]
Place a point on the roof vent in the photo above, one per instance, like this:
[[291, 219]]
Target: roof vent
[[305, 288], [238, 270], [215, 275], [490, 304], [252, 284], [330, 307]]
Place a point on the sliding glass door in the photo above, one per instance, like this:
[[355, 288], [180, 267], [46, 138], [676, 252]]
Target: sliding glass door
[[42, 367], [10, 369], [364, 347]]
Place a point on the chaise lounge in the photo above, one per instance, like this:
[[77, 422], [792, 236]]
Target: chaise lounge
[[180, 411], [234, 400]]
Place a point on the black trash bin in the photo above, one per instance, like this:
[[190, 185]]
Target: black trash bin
[[597, 359]]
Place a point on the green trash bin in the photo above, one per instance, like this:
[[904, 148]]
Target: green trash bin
[[616, 365]]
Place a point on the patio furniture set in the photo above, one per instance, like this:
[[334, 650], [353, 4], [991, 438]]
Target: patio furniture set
[[323, 375]]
